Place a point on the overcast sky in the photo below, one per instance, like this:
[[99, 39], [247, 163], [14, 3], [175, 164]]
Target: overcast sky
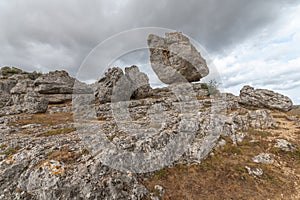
[[249, 42]]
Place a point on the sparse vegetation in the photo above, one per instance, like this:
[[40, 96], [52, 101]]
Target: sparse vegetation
[[65, 156], [9, 151], [44, 119], [224, 176], [56, 132], [9, 70]]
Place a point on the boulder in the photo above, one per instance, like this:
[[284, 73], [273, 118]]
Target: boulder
[[5, 87], [117, 86], [57, 82], [34, 103], [265, 98], [58, 86], [175, 59], [24, 99], [104, 87], [139, 82]]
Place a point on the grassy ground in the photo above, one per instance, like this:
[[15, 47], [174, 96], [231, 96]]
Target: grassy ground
[[223, 175]]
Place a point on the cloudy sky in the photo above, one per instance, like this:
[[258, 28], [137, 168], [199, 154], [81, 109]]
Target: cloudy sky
[[248, 42]]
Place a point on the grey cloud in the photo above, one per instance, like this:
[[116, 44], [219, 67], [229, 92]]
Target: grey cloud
[[46, 35]]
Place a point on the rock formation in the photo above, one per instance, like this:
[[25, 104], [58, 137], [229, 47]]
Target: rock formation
[[117, 86], [175, 59], [265, 98], [57, 86], [105, 151]]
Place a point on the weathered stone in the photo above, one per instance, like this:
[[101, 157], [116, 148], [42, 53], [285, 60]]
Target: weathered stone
[[175, 59], [256, 171], [34, 103], [263, 158], [117, 86], [104, 87], [58, 86], [57, 82], [284, 145], [265, 98], [5, 88], [139, 82]]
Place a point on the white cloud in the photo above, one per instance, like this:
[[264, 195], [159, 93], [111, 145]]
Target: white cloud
[[270, 59]]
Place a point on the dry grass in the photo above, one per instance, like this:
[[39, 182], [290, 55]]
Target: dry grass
[[57, 132], [44, 119], [223, 174], [65, 156], [9, 151]]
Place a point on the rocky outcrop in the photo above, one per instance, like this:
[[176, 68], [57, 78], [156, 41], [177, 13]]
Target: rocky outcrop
[[117, 86], [58, 86], [34, 103], [265, 98], [5, 87], [25, 99], [139, 82], [104, 87], [175, 59]]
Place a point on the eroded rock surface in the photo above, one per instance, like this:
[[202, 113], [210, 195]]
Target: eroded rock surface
[[175, 59], [265, 98], [119, 86]]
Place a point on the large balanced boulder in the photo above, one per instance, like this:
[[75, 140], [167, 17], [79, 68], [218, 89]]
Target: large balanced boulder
[[265, 98], [175, 59]]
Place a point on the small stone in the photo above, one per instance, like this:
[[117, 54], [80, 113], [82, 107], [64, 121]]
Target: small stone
[[256, 171], [284, 145], [263, 158]]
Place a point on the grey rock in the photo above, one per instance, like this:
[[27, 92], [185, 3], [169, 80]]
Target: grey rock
[[175, 59], [104, 87], [57, 82], [58, 86], [256, 171], [116, 86], [5, 88], [34, 103], [265, 98], [139, 82], [284, 145], [261, 119], [263, 158]]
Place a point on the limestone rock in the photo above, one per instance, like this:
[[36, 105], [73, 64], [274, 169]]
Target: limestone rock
[[34, 103], [284, 145], [57, 82], [5, 87], [104, 87], [256, 171], [263, 158], [265, 98], [175, 59], [58, 86], [117, 86]]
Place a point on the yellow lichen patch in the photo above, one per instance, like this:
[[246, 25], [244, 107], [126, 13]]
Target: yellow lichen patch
[[53, 166]]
